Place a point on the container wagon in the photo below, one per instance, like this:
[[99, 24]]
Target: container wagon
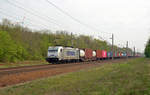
[[86, 54]]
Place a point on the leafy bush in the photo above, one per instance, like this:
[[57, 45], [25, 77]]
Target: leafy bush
[[9, 50], [147, 49]]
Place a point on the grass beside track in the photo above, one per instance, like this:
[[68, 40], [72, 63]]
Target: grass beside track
[[19, 64], [131, 77]]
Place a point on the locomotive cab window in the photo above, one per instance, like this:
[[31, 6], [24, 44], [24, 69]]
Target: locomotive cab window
[[52, 50]]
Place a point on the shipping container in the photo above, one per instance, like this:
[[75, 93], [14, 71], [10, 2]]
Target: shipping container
[[118, 55], [124, 54], [128, 54], [101, 53], [88, 53], [115, 54], [104, 53], [109, 54], [98, 54]]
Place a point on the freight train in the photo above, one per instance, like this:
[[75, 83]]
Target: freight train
[[60, 54]]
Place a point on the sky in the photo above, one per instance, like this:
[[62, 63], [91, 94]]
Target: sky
[[128, 20]]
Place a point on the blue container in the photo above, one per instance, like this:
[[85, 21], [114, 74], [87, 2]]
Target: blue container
[[109, 54], [124, 54]]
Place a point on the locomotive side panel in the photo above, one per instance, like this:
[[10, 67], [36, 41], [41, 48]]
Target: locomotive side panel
[[70, 54]]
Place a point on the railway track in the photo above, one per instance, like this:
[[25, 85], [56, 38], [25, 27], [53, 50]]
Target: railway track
[[15, 75], [15, 70]]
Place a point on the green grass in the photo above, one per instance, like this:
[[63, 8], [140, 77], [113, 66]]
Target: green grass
[[131, 77], [25, 63]]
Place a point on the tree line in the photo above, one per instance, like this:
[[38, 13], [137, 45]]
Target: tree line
[[19, 43], [147, 49]]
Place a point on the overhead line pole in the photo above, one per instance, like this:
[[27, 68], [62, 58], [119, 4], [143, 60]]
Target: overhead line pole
[[112, 46], [134, 52], [71, 39], [127, 49]]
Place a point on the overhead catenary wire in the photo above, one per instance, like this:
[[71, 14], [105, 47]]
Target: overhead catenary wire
[[123, 45], [48, 19], [77, 20], [18, 20], [32, 13], [73, 18], [29, 23]]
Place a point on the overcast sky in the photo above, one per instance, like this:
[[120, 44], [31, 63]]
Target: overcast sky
[[129, 20]]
